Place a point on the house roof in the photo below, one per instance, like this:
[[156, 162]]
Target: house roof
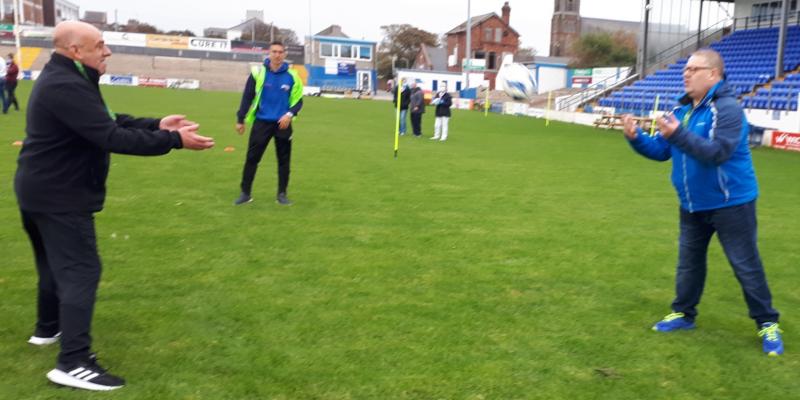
[[477, 20], [332, 31], [437, 57]]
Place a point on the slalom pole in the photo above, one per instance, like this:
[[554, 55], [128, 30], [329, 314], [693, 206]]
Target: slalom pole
[[653, 123], [547, 110], [486, 104], [397, 118]]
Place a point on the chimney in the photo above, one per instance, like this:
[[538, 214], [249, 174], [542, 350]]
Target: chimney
[[507, 14]]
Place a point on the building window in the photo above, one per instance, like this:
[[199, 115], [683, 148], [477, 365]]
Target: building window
[[570, 5], [365, 52], [346, 51], [487, 35], [491, 62], [327, 50], [498, 35], [479, 55]]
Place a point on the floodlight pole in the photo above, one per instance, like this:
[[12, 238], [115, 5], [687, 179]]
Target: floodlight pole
[[17, 33], [700, 27], [781, 39], [645, 28], [469, 42]]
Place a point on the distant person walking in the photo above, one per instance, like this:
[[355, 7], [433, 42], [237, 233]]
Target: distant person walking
[[12, 70], [3, 69], [417, 107], [405, 101]]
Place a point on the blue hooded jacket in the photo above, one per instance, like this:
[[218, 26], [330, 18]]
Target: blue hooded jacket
[[274, 101], [711, 163]]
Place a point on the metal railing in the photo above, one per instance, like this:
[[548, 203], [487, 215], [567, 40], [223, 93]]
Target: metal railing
[[594, 91], [688, 45], [765, 21]]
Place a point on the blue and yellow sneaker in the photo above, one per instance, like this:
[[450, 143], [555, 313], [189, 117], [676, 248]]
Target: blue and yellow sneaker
[[673, 322], [772, 341]]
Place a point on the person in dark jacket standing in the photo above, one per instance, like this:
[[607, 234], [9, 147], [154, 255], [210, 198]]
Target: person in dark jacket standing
[[12, 70], [443, 102], [60, 184], [405, 101], [706, 136], [273, 96], [417, 106]]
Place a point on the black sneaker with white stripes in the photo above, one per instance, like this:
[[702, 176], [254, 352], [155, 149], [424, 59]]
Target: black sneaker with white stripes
[[85, 375]]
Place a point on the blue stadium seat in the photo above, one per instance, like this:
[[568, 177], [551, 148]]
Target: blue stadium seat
[[750, 61]]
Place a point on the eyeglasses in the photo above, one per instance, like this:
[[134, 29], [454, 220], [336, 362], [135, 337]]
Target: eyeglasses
[[692, 70]]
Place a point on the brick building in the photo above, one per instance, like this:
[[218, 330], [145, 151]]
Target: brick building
[[492, 37]]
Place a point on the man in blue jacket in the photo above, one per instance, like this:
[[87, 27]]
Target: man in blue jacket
[[712, 171], [272, 96]]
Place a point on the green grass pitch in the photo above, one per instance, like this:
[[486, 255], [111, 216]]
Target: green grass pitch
[[513, 261]]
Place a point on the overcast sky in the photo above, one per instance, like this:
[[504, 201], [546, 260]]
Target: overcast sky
[[358, 18]]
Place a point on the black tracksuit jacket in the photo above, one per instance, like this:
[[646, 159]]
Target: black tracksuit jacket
[[70, 134]]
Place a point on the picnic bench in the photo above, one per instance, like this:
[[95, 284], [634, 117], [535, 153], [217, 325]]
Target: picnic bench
[[615, 121]]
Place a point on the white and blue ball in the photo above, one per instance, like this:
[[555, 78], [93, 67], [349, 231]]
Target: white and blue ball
[[517, 81]]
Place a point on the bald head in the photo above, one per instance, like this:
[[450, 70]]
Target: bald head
[[81, 42], [73, 33]]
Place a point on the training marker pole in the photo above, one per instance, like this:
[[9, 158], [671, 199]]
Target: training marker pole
[[397, 119], [547, 111], [486, 104], [653, 124]]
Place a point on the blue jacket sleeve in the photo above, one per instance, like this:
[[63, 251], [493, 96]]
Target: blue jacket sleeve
[[654, 148], [247, 99], [717, 149]]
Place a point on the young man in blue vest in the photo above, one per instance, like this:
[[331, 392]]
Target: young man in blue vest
[[272, 96], [706, 136]]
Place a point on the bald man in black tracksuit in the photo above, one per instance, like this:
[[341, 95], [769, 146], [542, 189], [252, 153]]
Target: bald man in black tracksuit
[[60, 184]]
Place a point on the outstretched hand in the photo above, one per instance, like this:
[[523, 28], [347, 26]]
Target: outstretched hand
[[174, 122], [191, 140], [629, 126], [667, 125]]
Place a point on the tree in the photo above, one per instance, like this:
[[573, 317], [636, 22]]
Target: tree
[[402, 41], [525, 54], [266, 33], [604, 49]]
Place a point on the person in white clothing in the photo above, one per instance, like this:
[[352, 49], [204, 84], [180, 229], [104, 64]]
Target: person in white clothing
[[443, 102]]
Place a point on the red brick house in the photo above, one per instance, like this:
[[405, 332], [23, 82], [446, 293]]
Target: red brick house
[[492, 37]]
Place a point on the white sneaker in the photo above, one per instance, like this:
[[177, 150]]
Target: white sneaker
[[44, 341], [442, 140], [435, 138]]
